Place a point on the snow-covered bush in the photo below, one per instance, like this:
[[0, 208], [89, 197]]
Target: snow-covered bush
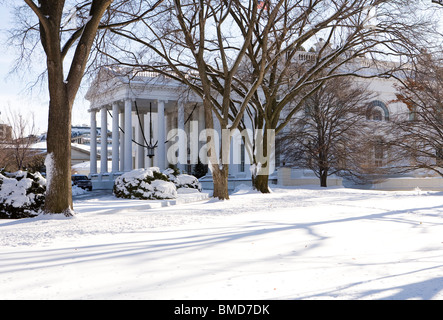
[[188, 181], [22, 194], [182, 180], [171, 173], [151, 184], [145, 184]]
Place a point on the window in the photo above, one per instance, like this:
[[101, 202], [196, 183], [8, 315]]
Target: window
[[377, 111], [379, 153], [412, 115], [242, 155], [376, 115]]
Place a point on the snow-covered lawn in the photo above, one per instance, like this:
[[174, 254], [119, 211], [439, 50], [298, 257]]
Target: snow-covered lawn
[[295, 243]]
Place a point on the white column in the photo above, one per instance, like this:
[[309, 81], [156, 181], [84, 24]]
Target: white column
[[128, 135], [148, 161], [122, 140], [161, 136], [218, 129], [104, 141], [234, 155], [93, 143], [182, 145], [193, 137], [201, 127], [141, 142], [115, 137]]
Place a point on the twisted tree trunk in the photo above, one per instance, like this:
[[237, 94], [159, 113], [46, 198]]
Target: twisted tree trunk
[[62, 92]]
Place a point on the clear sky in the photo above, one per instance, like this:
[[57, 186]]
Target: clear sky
[[13, 88], [14, 94]]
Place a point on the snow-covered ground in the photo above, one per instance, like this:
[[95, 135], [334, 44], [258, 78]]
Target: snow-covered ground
[[295, 243]]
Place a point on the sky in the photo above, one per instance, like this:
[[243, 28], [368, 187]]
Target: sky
[[14, 88], [15, 95]]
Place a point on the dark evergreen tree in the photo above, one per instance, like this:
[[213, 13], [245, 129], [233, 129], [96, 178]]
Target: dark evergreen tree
[[200, 169]]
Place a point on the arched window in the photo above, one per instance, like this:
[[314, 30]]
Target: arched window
[[376, 114], [377, 111]]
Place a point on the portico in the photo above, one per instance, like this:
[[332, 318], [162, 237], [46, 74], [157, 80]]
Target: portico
[[142, 111]]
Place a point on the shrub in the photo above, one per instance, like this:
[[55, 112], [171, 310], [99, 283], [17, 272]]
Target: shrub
[[151, 184], [182, 180], [145, 184], [22, 194], [188, 181], [200, 169]]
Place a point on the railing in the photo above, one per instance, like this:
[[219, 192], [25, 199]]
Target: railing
[[146, 74], [306, 56], [154, 74]]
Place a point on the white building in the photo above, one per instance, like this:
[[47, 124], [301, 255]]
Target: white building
[[145, 108], [151, 106]]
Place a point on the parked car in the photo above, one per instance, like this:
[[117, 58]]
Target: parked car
[[81, 181]]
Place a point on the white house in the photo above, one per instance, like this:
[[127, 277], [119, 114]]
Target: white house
[[146, 108], [142, 109]]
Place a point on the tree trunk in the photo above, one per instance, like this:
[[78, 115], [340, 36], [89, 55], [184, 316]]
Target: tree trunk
[[323, 178], [260, 183], [260, 178], [62, 93], [219, 176], [220, 179], [58, 164], [323, 162]]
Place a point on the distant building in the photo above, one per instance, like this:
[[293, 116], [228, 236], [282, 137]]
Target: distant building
[[5, 131], [80, 149]]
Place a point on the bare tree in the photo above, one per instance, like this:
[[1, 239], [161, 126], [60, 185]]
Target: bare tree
[[203, 43], [21, 155], [62, 90], [351, 38], [330, 136], [418, 133], [67, 32], [234, 54], [199, 43]]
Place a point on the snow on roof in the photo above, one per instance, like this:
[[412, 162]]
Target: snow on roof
[[38, 145], [42, 146]]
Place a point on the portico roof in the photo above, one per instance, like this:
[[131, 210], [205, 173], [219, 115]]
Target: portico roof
[[119, 84]]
